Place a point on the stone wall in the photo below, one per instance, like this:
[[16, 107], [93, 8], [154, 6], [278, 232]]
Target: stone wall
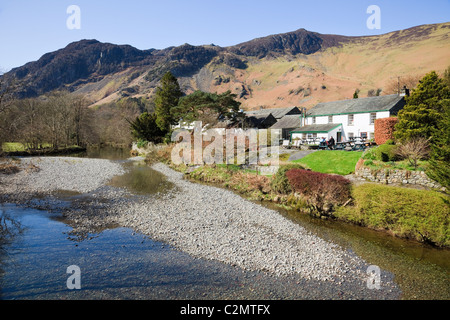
[[396, 176]]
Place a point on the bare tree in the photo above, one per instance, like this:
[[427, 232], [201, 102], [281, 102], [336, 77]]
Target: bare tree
[[81, 124], [28, 119], [7, 87], [414, 150], [395, 84]]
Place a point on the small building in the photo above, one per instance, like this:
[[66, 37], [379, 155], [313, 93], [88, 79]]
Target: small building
[[277, 113], [260, 121], [351, 118], [315, 132], [287, 124]]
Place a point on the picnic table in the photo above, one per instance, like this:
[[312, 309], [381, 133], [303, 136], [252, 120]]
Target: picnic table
[[350, 145]]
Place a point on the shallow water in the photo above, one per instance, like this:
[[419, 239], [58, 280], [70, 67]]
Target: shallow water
[[141, 179]]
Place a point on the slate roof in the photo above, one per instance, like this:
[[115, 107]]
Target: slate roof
[[260, 119], [318, 127], [360, 105], [287, 122], [276, 112]]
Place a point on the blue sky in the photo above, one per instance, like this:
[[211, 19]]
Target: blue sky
[[31, 28]]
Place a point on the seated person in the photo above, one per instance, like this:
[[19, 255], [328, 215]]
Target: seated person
[[330, 143], [323, 144]]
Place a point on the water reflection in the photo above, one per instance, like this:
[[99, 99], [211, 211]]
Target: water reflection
[[141, 179], [106, 152]]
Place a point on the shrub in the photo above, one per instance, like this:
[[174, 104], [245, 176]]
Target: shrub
[[369, 154], [419, 214], [142, 143], [280, 183], [384, 129], [385, 153], [250, 183], [163, 154], [321, 191], [414, 150]]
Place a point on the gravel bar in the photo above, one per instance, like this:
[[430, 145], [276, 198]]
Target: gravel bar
[[48, 174]]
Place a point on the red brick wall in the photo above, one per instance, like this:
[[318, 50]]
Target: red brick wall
[[384, 129]]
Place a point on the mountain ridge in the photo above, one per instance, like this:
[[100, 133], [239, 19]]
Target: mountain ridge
[[105, 71]]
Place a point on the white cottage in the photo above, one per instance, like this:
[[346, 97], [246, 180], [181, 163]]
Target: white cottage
[[347, 119]]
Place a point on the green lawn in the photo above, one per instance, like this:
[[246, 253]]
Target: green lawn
[[13, 147], [331, 161]]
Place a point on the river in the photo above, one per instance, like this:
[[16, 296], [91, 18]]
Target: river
[[118, 263]]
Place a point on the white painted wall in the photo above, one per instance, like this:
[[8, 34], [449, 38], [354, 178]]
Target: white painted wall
[[361, 123], [319, 135]]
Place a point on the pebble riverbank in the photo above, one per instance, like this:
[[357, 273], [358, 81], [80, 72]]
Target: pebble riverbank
[[218, 224], [204, 221]]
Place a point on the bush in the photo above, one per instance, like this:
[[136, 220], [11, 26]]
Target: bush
[[440, 172], [414, 150], [386, 153], [369, 154], [419, 214], [142, 143], [249, 183], [384, 129], [320, 191], [280, 183]]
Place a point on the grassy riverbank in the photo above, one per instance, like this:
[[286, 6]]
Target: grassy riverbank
[[17, 149], [422, 215]]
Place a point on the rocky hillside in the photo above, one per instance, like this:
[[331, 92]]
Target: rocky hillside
[[294, 68]]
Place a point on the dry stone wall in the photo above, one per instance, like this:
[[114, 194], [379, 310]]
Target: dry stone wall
[[397, 176]]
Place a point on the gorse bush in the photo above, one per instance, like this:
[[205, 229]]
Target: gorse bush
[[386, 152], [320, 191], [280, 183]]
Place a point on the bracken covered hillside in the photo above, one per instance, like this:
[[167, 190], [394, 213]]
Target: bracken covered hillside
[[298, 68]]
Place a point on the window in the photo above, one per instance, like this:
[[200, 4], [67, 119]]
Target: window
[[313, 120], [373, 117], [363, 135], [351, 135], [351, 118], [330, 119]]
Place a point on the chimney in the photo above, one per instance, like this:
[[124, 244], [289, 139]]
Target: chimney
[[303, 120], [404, 92]]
